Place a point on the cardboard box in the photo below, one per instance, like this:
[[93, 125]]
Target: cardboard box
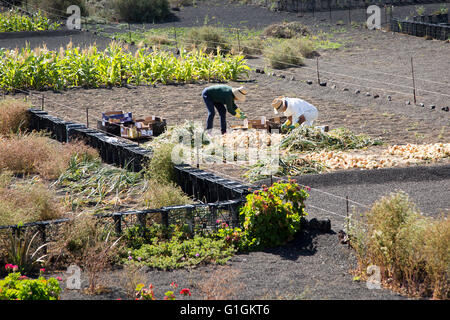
[[256, 124], [129, 132], [116, 117]]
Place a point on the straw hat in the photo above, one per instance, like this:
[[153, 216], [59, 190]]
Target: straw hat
[[239, 93], [277, 103]]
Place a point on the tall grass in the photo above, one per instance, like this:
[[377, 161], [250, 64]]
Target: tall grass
[[209, 38], [70, 67], [412, 251], [26, 202], [285, 54]]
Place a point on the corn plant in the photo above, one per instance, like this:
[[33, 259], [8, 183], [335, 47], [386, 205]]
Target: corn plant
[[71, 67], [14, 20]]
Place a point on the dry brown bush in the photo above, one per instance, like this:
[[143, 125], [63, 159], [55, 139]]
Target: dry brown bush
[[411, 250], [13, 116], [286, 30], [26, 202], [35, 153]]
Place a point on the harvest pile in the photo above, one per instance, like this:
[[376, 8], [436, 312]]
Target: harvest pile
[[420, 152]]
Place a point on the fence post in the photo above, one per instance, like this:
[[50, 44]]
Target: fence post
[[414, 83], [165, 222], [239, 40], [175, 34], [142, 219], [43, 236], [42, 103], [118, 223], [87, 117], [317, 69]]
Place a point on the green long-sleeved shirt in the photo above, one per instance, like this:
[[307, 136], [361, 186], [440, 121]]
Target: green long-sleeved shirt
[[222, 94]]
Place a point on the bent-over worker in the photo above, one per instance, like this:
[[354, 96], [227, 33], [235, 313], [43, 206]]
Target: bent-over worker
[[219, 96], [298, 111]]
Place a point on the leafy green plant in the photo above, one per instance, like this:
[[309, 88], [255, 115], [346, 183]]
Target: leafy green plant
[[18, 287], [271, 216], [177, 250]]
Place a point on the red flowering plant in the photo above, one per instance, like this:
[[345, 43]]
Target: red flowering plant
[[143, 293], [19, 287], [232, 236], [271, 216]]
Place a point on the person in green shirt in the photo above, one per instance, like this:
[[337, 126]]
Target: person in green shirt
[[219, 96]]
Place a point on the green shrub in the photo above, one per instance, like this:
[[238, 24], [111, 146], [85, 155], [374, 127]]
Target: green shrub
[[17, 287], [208, 38], [142, 10], [271, 217], [284, 54], [160, 167]]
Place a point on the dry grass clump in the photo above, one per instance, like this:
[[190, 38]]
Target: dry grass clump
[[287, 54], [26, 202], [13, 116], [286, 30], [250, 48], [208, 38], [34, 153], [411, 250], [89, 244], [163, 195]]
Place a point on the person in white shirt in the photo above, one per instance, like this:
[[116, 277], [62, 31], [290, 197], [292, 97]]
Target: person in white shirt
[[298, 111]]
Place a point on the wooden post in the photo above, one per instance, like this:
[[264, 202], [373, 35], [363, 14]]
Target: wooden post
[[175, 34], [129, 31], [414, 82], [43, 236], [350, 13], [87, 117], [42, 102], [239, 41], [347, 215], [118, 224], [317, 69]]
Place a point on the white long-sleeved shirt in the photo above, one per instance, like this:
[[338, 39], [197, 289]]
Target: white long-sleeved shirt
[[297, 107]]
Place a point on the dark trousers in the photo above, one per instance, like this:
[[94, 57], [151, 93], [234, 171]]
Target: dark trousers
[[211, 106]]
